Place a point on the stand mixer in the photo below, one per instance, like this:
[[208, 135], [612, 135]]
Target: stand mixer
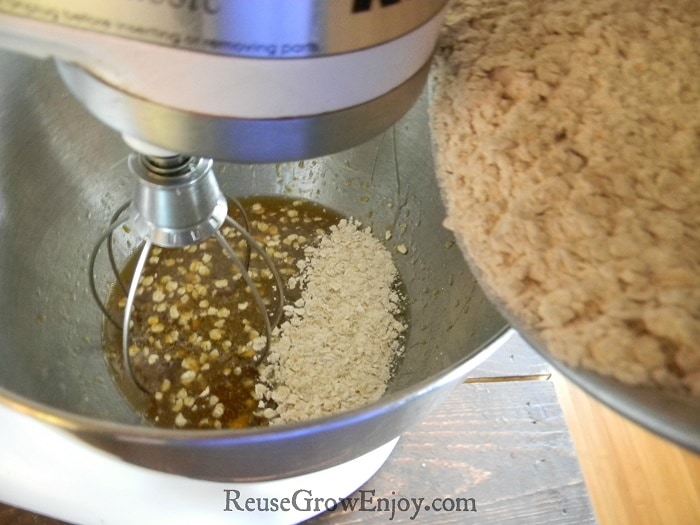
[[234, 82], [183, 83]]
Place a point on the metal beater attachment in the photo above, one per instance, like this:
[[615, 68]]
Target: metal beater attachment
[[178, 203]]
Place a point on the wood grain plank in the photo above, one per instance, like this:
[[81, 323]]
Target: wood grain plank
[[515, 358], [504, 444], [633, 475]]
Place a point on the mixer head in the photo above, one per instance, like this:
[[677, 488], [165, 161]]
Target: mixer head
[[236, 80], [177, 203]]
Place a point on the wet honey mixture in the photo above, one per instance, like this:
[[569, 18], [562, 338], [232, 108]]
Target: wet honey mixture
[[196, 327]]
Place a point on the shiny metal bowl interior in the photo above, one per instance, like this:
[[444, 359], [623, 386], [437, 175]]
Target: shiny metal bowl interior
[[63, 174]]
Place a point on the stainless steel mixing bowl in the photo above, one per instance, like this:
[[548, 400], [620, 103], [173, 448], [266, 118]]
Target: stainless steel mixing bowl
[[62, 175]]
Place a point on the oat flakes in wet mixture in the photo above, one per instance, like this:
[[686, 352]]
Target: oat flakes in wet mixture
[[196, 330]]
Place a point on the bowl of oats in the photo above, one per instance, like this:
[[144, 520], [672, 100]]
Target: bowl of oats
[[567, 142]]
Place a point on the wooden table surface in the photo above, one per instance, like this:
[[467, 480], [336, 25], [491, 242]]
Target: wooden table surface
[[633, 476]]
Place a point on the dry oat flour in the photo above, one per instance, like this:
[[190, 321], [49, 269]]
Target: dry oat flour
[[335, 350]]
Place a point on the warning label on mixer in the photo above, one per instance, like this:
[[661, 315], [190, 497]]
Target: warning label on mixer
[[255, 49], [392, 506], [185, 24], [279, 28]]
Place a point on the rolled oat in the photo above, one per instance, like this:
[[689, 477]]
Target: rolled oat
[[567, 140]]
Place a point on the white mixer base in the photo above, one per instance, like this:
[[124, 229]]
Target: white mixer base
[[48, 471]]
